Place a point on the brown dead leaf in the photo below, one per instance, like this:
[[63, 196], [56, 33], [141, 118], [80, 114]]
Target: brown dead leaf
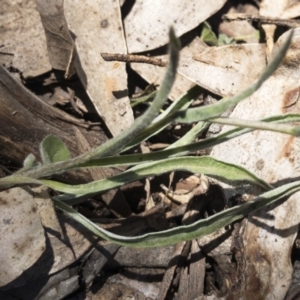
[[292, 11], [187, 188], [22, 242], [61, 49]]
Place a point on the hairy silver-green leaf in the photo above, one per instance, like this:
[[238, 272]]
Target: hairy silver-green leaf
[[29, 162], [184, 149], [202, 165], [19, 178], [116, 144], [53, 150], [190, 136], [293, 130], [162, 120], [187, 232]]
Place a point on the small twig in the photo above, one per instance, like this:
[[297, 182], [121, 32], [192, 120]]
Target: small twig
[[261, 19], [129, 58], [7, 171]]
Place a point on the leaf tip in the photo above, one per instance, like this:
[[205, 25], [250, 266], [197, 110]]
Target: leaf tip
[[174, 41]]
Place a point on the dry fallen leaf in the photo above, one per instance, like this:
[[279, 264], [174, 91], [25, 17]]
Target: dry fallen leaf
[[105, 82], [22, 38], [225, 70], [61, 48], [240, 29], [148, 22], [222, 70], [292, 11], [22, 235], [187, 188], [269, 234], [275, 10], [154, 74], [24, 213]]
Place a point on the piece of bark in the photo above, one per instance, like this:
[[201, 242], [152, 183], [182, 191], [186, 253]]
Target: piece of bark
[[175, 259], [192, 276], [25, 121], [178, 262]]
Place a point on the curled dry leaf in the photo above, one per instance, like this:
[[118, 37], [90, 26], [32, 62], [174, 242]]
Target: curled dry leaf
[[22, 239], [187, 188], [60, 44], [269, 233], [148, 22]]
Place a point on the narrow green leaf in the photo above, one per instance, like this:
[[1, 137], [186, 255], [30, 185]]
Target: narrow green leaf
[[282, 128], [132, 159], [190, 136], [187, 232], [53, 150], [202, 165], [17, 179], [185, 149], [143, 99]]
